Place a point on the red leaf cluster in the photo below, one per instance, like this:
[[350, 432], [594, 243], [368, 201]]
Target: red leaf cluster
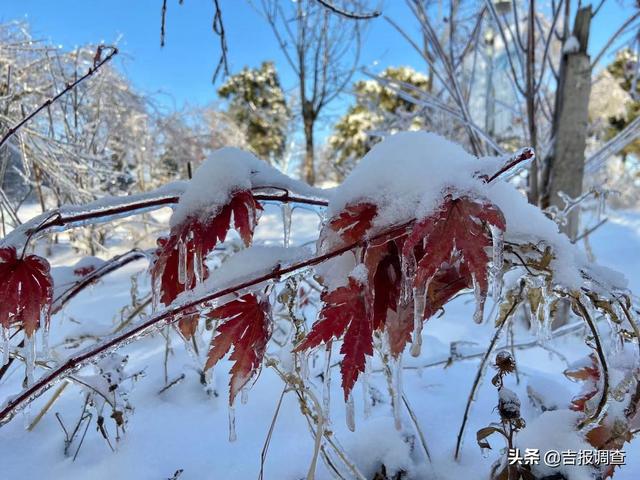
[[449, 247], [448, 252], [246, 327], [26, 290], [179, 263]]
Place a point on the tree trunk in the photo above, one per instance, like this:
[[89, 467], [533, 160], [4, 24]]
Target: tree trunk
[[566, 160], [308, 167]]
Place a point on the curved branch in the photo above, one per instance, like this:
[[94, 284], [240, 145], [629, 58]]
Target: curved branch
[[603, 364], [98, 212], [347, 14]]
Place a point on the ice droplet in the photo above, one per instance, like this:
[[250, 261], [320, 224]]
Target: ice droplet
[[497, 237], [419, 299], [232, 424], [286, 223], [5, 345], [326, 383], [182, 262], [365, 387], [244, 396], [351, 414]]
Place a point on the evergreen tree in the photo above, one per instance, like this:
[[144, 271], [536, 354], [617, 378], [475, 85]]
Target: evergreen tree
[[377, 107], [257, 104], [623, 70]]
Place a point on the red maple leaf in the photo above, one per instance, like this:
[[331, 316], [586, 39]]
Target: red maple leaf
[[385, 273], [344, 311], [450, 248], [26, 290], [179, 263], [354, 221], [247, 329]]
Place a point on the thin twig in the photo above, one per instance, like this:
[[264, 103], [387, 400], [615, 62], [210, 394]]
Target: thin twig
[[347, 14], [476, 382], [267, 441]]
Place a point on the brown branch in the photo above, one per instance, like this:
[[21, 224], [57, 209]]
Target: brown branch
[[113, 264], [172, 314], [97, 63], [521, 156], [347, 14], [57, 219], [603, 364]]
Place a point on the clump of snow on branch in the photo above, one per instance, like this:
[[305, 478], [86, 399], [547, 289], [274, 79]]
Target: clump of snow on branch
[[229, 170]]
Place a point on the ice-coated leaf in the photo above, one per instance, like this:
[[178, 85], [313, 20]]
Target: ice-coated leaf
[[354, 221], [180, 258], [247, 329], [26, 290], [450, 249], [344, 311]]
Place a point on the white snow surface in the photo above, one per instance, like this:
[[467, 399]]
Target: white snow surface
[[185, 428], [555, 430]]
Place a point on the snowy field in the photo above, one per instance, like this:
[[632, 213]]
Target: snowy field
[[185, 428]]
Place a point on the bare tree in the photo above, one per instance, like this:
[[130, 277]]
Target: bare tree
[[537, 64], [322, 49]]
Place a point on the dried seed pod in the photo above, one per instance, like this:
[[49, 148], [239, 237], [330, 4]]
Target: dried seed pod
[[508, 404]]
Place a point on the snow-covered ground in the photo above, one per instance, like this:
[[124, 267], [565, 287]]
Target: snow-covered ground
[[185, 428]]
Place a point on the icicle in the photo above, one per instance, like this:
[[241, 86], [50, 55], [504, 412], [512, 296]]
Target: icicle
[[408, 266], [498, 262], [480, 298], [29, 353], [326, 384], [419, 299], [5, 345], [286, 222], [365, 387], [198, 265], [351, 414], [44, 324], [232, 423], [304, 366], [182, 262], [244, 395], [396, 391]]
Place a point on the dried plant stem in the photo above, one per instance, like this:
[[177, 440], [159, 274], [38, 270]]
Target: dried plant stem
[[414, 419], [47, 406], [476, 382], [267, 441]]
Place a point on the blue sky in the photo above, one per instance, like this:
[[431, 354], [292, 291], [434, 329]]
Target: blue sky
[[182, 70]]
